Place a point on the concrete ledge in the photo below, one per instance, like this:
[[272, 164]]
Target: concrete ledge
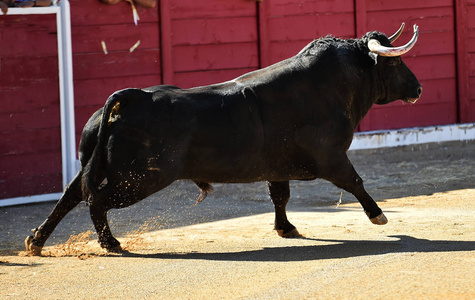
[[30, 199], [412, 136]]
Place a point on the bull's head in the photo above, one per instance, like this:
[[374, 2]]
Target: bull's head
[[399, 83]]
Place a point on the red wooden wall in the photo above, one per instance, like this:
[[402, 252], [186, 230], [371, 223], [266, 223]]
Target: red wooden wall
[[208, 41], [467, 74], [286, 26], [30, 136], [189, 43], [96, 74]]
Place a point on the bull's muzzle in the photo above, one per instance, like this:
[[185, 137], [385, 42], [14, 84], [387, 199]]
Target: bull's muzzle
[[414, 100]]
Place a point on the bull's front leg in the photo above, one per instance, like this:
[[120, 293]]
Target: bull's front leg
[[280, 193], [343, 175]]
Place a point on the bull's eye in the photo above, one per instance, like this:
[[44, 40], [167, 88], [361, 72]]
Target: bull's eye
[[394, 61]]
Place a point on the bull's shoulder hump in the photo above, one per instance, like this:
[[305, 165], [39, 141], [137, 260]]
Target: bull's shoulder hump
[[160, 88], [222, 88]]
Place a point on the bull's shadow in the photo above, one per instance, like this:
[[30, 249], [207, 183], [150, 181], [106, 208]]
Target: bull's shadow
[[338, 249]]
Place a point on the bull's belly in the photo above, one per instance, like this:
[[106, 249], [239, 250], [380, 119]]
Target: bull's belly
[[246, 177], [228, 168], [210, 165]]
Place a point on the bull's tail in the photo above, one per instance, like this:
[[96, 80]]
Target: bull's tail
[[91, 178]]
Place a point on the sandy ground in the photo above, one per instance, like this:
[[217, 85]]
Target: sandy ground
[[225, 248]]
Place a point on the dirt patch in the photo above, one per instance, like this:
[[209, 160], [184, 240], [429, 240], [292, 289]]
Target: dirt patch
[[427, 250], [84, 245]]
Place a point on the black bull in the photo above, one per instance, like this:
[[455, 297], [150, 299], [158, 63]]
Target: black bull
[[291, 121]]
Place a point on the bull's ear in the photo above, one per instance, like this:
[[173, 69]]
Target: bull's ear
[[373, 56]]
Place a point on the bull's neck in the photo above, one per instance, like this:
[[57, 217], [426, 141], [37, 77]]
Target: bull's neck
[[359, 107], [364, 96]]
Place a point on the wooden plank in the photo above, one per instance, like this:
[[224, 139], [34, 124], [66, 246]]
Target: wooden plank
[[34, 69], [40, 22], [311, 26], [124, 63], [463, 60], [117, 37], [192, 9], [377, 5], [30, 141], [200, 78], [215, 57], [470, 15], [409, 116], [214, 31], [439, 90], [166, 42], [264, 40], [470, 22], [30, 164], [26, 96], [285, 49], [425, 68], [428, 20], [94, 12], [472, 90], [471, 112], [301, 7], [18, 32], [42, 118], [29, 186], [471, 66], [361, 16], [470, 41]]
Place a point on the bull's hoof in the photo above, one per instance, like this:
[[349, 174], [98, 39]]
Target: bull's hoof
[[379, 220], [115, 250], [111, 245], [294, 233], [31, 248]]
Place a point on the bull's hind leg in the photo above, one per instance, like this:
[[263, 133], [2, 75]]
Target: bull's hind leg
[[121, 191], [110, 196], [99, 218], [280, 193], [71, 197]]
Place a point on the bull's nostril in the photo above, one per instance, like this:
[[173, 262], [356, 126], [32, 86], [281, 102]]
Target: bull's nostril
[[419, 91]]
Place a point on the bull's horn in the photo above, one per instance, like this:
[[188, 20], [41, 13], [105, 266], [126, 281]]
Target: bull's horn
[[394, 37], [376, 47]]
